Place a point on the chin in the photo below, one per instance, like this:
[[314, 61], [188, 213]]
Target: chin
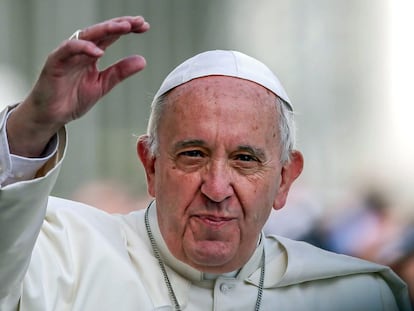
[[212, 256]]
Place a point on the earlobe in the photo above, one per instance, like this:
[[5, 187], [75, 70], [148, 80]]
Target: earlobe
[[290, 171], [148, 161]]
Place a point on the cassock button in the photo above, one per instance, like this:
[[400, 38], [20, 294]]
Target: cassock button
[[226, 287]]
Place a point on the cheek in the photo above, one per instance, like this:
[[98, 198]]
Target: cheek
[[165, 174], [173, 186], [258, 198], [173, 178], [263, 188]]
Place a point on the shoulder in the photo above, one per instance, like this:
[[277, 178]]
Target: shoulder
[[61, 209], [316, 262], [74, 218], [309, 264], [74, 221]]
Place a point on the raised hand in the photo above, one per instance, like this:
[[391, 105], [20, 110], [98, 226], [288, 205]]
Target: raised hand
[[70, 83]]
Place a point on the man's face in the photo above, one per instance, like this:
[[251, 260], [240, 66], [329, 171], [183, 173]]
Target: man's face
[[217, 173]]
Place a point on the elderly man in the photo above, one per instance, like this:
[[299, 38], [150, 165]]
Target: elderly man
[[218, 155]]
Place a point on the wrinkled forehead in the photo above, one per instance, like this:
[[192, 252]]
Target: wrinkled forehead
[[224, 63], [222, 99], [218, 87]]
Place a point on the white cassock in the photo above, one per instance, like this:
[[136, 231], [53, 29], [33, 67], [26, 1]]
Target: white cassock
[[61, 255]]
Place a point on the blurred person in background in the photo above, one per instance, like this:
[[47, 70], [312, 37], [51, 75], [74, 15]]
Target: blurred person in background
[[218, 155], [362, 226]]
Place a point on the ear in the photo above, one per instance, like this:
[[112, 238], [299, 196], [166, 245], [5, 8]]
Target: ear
[[148, 161], [290, 171]]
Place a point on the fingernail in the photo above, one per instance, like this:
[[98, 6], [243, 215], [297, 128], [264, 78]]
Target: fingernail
[[98, 51]]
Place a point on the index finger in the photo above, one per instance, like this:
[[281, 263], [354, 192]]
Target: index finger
[[138, 23], [114, 28]]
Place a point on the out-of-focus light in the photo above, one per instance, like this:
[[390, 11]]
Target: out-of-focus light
[[402, 79], [12, 86]]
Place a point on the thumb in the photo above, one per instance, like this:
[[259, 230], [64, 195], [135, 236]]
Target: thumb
[[121, 70]]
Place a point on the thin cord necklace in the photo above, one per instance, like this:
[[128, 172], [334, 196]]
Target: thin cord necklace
[[167, 282]]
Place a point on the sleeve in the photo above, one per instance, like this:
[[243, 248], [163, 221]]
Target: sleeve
[[22, 210], [14, 168]]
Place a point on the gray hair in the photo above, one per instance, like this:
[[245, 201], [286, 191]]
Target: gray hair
[[285, 117]]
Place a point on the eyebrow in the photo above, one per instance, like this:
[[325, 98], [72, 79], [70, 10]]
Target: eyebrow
[[189, 143]]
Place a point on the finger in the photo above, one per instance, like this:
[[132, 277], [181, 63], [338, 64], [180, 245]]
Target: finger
[[114, 27], [71, 48], [138, 23], [121, 70]]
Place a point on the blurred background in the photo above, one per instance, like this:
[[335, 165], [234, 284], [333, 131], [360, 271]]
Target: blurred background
[[346, 65]]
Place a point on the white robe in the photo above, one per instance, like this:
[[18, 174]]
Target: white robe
[[58, 254]]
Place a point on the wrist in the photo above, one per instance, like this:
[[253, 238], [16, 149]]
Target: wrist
[[26, 137]]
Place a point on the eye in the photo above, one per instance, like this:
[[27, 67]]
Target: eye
[[192, 153], [245, 158], [246, 163], [191, 160]]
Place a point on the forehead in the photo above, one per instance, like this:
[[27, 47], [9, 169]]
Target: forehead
[[222, 86], [221, 93], [218, 105]]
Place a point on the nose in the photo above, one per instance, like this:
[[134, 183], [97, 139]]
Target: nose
[[217, 183]]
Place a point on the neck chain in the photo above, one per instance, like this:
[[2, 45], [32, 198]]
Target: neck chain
[[167, 282]]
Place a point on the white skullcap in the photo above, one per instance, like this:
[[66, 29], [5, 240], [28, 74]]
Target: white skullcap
[[224, 63]]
